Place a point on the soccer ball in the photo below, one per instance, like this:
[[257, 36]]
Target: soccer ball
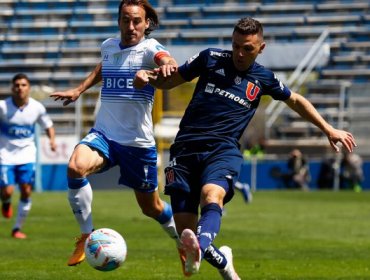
[[105, 249]]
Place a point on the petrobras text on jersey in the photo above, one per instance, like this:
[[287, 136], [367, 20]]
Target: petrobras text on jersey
[[118, 82], [210, 88]]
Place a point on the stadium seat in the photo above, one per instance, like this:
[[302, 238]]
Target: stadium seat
[[58, 42]]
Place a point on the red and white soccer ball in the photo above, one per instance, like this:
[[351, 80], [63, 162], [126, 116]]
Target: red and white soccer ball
[[105, 249]]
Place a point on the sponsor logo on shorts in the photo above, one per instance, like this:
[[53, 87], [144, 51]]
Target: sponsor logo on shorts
[[145, 185], [170, 176]]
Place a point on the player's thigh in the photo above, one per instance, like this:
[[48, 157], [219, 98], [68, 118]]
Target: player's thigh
[[25, 176], [85, 161], [221, 171]]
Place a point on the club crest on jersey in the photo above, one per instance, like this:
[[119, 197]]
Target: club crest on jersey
[[117, 59], [238, 80], [252, 91]]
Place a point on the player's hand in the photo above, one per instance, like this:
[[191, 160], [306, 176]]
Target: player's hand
[[53, 146], [143, 77], [67, 96], [167, 70], [340, 136]]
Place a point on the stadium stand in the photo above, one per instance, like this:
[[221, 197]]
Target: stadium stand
[[57, 43]]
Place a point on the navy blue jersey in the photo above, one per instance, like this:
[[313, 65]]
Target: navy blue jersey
[[224, 99]]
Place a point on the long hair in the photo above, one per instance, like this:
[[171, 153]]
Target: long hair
[[150, 13], [249, 26]]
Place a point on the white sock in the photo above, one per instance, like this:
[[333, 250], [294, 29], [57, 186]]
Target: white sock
[[23, 210], [170, 228], [80, 200], [238, 185]]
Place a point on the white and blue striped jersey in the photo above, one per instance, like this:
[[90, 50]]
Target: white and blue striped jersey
[[125, 113], [17, 130]]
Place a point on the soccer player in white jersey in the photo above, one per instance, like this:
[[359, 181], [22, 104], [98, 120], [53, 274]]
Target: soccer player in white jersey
[[123, 131], [19, 114]]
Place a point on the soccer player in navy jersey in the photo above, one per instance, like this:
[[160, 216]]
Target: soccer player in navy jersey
[[205, 159], [123, 130]]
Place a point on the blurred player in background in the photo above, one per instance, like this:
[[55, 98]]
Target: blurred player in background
[[123, 130], [205, 159], [298, 176], [19, 114]]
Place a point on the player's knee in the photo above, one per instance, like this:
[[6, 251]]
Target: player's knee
[[6, 193], [77, 168], [26, 191]]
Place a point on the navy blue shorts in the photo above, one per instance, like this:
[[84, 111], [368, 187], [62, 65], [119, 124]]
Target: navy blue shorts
[[193, 165]]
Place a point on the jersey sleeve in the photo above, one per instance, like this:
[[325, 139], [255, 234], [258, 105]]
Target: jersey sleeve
[[44, 119], [276, 88], [156, 51], [194, 66]]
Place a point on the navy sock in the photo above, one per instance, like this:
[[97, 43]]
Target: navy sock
[[215, 257], [208, 225]]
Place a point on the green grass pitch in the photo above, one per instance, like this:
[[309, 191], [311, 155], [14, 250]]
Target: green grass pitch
[[281, 235]]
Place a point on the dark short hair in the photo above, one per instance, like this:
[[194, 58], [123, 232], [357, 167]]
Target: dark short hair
[[150, 13], [20, 76], [249, 26]]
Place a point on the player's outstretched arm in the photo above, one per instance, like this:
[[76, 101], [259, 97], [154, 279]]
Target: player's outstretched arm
[[157, 79], [307, 111], [72, 95]]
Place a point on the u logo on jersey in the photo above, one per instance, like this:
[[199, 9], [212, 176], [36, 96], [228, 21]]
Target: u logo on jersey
[[252, 91]]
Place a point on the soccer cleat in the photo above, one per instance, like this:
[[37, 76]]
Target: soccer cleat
[[190, 252], [7, 210], [78, 255], [183, 259], [228, 273], [246, 191], [16, 233]]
